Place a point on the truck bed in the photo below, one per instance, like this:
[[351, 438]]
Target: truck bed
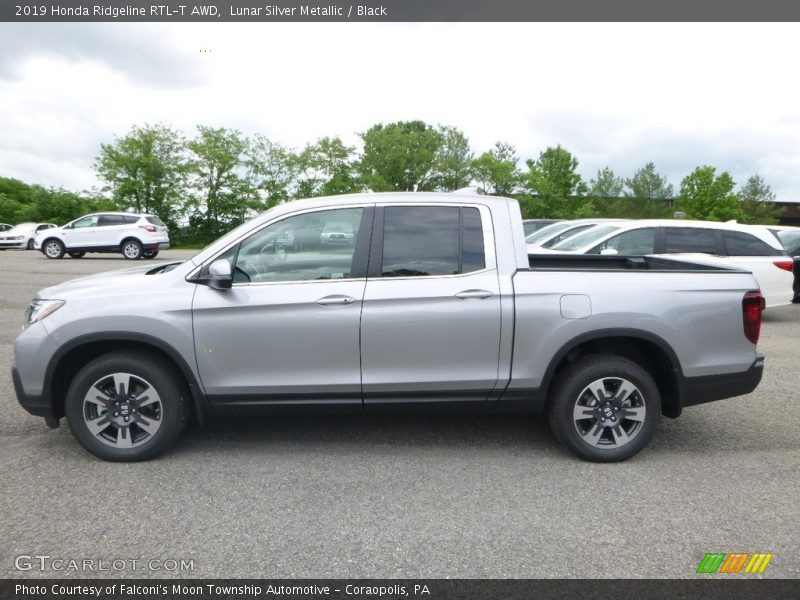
[[583, 262]]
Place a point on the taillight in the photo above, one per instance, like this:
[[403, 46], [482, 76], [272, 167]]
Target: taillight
[[149, 228], [786, 265], [752, 306]]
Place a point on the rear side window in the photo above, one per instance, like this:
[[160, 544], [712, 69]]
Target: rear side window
[[745, 244], [431, 240], [155, 221], [130, 220], [107, 220], [690, 239]]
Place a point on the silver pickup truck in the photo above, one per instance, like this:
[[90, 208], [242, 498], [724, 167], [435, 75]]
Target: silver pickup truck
[[388, 302]]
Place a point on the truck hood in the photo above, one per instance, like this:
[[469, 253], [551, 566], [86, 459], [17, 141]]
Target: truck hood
[[87, 286]]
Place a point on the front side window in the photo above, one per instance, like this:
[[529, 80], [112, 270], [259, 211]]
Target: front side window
[[631, 243], [431, 240], [689, 240], [90, 221], [307, 247]]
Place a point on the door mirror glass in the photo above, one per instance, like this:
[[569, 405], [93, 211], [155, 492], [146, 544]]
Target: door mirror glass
[[609, 252]]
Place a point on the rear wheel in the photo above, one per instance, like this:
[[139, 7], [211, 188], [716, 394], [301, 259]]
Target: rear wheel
[[76, 254], [150, 253], [53, 249], [604, 408], [132, 249], [126, 406]]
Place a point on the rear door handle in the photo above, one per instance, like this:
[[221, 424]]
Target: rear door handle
[[336, 299], [479, 294]]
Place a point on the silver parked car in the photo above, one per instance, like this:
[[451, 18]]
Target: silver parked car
[[435, 306]]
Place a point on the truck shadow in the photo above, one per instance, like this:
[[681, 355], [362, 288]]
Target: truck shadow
[[363, 432]]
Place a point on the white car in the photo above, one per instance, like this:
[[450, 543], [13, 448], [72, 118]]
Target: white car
[[750, 247], [21, 236], [134, 235], [555, 233]]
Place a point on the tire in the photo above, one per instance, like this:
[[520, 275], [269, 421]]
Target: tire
[[148, 254], [53, 248], [29, 245], [132, 249], [76, 254], [608, 431], [157, 410]]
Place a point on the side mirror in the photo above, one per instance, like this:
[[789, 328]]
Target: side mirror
[[220, 275], [609, 252]]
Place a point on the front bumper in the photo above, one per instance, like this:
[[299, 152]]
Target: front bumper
[[38, 406], [699, 390], [18, 245]]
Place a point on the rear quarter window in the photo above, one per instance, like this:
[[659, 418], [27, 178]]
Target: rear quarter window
[[155, 221], [744, 244]]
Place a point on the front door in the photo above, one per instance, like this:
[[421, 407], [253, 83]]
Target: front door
[[287, 332]]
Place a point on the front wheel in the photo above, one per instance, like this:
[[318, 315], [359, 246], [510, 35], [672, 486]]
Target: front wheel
[[76, 254], [604, 408], [150, 254], [126, 406], [132, 249], [29, 245], [53, 249]]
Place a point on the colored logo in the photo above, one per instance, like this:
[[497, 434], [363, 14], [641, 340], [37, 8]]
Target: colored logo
[[734, 562]]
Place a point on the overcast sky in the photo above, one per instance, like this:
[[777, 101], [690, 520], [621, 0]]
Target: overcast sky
[[617, 95]]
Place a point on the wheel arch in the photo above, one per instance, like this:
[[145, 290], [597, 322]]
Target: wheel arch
[[51, 238], [73, 356], [648, 350]]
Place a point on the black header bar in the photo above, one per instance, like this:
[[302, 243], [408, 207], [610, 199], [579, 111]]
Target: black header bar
[[399, 10]]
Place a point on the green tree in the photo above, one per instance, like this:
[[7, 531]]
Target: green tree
[[605, 191], [453, 160], [272, 170], [708, 196], [496, 170], [146, 170], [9, 207], [647, 196], [400, 156], [223, 197], [327, 168], [557, 186], [758, 202], [54, 205]]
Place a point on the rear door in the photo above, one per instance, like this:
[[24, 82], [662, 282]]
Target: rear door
[[110, 230], [430, 325]]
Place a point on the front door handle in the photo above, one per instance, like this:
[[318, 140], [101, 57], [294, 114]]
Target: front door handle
[[479, 294], [336, 299]]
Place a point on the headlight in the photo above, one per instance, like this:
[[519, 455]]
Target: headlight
[[39, 309]]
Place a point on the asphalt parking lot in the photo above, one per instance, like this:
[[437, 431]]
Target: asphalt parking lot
[[411, 496]]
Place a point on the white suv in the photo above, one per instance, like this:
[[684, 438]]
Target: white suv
[[134, 235], [751, 247]]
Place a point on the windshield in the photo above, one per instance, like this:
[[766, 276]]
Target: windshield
[[549, 232], [586, 238], [22, 227]]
